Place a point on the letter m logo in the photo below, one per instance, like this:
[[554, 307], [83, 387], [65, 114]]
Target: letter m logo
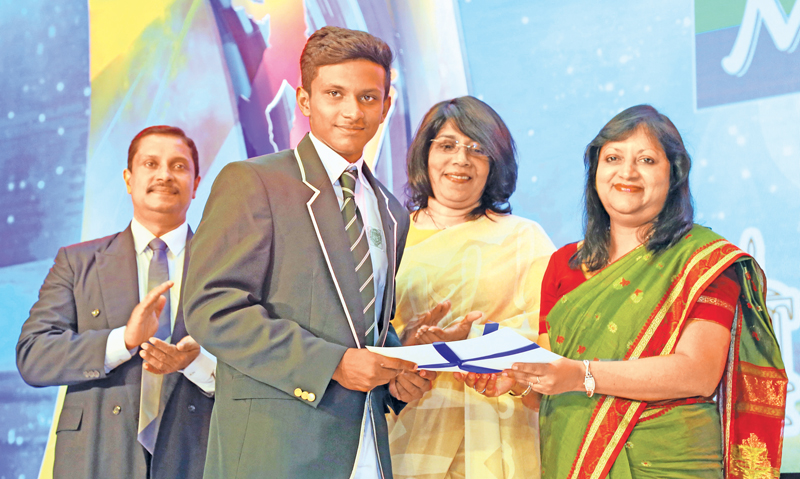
[[736, 59]]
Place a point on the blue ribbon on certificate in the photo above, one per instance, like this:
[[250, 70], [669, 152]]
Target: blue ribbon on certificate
[[454, 361]]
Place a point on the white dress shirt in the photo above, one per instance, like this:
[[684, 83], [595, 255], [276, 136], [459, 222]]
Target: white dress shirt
[[201, 371], [367, 458]]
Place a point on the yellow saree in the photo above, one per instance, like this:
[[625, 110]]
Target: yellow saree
[[490, 265]]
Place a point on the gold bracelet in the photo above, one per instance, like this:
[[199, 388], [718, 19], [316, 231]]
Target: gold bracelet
[[527, 391]]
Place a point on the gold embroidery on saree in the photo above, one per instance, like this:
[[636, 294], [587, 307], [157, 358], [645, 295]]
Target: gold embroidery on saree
[[676, 291], [716, 302], [598, 419], [593, 427], [648, 413], [712, 272], [752, 460], [763, 390], [761, 410], [612, 444], [771, 373]]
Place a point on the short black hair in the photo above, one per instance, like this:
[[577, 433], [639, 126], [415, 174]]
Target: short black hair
[[481, 123], [676, 216], [333, 45], [168, 131]]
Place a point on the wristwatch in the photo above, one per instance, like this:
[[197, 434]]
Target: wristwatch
[[588, 380]]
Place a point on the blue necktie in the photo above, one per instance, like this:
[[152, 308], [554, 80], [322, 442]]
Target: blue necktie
[[151, 383]]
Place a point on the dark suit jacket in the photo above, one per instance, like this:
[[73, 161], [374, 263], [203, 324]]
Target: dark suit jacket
[[90, 290], [273, 293]]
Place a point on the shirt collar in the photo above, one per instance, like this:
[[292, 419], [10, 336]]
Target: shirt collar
[[175, 239], [333, 162]]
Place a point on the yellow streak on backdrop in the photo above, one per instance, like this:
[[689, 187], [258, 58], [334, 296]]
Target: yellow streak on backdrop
[[115, 25], [115, 29]]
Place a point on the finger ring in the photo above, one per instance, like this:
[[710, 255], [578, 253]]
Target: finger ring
[[537, 380], [481, 392]]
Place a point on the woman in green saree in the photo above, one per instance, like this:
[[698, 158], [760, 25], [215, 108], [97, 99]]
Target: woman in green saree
[[671, 364]]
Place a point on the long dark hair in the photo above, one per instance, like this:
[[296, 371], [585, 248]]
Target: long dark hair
[[677, 215], [481, 123]]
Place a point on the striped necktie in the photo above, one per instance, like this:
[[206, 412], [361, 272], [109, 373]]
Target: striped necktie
[[359, 246], [151, 383]]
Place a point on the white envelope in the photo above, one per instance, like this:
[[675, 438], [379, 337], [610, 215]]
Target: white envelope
[[503, 341]]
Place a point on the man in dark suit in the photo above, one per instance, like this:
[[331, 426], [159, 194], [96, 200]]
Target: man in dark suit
[[108, 324], [292, 275]]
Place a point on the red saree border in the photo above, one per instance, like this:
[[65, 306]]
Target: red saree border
[[617, 417], [763, 390], [752, 449], [728, 387], [613, 419], [679, 278], [701, 269], [753, 396]]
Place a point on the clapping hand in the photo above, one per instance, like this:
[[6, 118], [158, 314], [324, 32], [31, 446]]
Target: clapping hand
[[143, 322], [163, 358]]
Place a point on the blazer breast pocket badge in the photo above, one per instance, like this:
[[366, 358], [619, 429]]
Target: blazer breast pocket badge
[[376, 238]]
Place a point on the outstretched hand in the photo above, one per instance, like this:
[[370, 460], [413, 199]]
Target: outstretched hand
[[455, 332], [490, 385], [562, 375], [430, 318]]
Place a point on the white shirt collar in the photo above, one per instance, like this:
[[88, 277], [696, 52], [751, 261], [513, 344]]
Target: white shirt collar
[[175, 239], [333, 162]]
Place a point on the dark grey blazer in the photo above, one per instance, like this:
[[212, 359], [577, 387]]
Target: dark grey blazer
[[273, 293], [90, 290]]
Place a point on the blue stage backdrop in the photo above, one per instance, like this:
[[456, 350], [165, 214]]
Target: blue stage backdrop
[[558, 71], [44, 125], [77, 81]]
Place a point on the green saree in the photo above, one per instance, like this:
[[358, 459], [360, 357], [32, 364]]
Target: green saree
[[637, 307]]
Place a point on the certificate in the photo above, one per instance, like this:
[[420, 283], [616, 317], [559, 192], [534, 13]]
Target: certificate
[[490, 353]]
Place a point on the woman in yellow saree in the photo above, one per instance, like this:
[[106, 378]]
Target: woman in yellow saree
[[466, 252], [672, 368]]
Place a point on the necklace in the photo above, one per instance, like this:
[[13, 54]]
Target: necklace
[[433, 220]]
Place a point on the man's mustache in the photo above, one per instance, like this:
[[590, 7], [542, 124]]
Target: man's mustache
[[164, 187]]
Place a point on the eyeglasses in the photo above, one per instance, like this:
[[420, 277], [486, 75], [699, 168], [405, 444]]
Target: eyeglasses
[[449, 146]]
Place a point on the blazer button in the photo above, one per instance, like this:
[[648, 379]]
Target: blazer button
[[116, 410], [304, 395], [311, 397], [298, 392], [96, 313], [191, 408]]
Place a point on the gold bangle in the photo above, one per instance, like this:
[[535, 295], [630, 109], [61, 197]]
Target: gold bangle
[[527, 391]]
